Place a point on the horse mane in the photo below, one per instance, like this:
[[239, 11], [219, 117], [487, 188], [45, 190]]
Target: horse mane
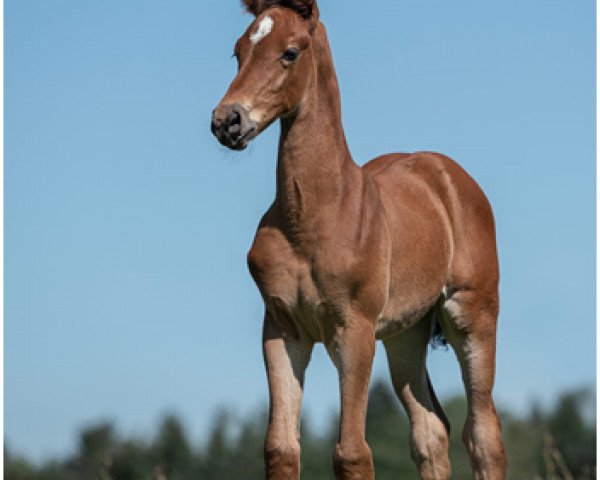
[[305, 8]]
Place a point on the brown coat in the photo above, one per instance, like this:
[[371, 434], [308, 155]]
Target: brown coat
[[346, 255]]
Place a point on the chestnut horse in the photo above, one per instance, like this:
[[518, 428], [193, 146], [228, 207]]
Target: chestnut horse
[[347, 255]]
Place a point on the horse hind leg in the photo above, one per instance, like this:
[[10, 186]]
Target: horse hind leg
[[469, 324], [406, 353]]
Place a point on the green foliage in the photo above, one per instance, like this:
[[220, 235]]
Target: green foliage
[[132, 460], [556, 444], [456, 411], [17, 468], [572, 437], [171, 450], [387, 435]]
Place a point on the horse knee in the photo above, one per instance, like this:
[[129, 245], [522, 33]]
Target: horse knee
[[353, 461], [282, 461]]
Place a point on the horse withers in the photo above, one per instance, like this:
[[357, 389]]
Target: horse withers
[[347, 255]]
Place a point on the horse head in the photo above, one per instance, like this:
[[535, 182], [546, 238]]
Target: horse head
[[276, 67]]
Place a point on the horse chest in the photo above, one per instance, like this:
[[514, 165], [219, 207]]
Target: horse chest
[[286, 283]]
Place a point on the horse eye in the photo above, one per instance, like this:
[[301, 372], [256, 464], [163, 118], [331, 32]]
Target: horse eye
[[290, 55]]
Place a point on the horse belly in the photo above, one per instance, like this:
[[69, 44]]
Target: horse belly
[[402, 319], [413, 292]]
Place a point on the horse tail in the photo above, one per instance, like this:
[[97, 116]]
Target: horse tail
[[437, 334], [436, 405]]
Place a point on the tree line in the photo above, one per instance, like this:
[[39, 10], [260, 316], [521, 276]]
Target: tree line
[[557, 443]]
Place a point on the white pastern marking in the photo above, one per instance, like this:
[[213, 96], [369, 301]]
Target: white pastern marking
[[264, 28]]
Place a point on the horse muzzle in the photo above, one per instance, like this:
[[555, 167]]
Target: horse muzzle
[[232, 126]]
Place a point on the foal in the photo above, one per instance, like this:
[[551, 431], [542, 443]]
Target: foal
[[346, 255]]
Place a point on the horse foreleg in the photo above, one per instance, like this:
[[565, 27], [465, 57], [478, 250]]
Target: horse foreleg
[[286, 359], [352, 349]]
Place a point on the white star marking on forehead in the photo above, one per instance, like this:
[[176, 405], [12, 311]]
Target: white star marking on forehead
[[264, 28]]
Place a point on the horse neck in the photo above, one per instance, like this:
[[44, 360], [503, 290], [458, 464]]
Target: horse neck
[[315, 171]]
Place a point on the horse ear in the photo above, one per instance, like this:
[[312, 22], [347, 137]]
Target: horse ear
[[255, 7], [307, 9], [310, 11]]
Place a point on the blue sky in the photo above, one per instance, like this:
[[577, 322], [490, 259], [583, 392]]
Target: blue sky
[[127, 225]]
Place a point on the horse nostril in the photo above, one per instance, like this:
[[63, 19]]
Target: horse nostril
[[234, 122], [234, 117]]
